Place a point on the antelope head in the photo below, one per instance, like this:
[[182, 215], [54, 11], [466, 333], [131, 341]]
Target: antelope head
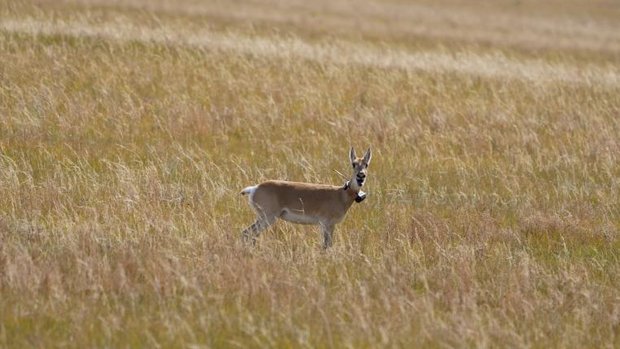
[[360, 171]]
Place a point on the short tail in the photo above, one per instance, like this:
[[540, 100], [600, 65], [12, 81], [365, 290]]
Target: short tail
[[248, 190]]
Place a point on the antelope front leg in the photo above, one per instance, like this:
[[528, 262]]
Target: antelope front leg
[[328, 232], [254, 230]]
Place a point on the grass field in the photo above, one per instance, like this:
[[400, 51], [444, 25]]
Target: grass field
[[128, 128]]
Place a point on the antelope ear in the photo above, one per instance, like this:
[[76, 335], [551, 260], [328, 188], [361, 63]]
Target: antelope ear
[[367, 157], [352, 155]]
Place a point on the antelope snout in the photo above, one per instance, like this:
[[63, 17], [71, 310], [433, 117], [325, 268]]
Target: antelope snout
[[360, 178]]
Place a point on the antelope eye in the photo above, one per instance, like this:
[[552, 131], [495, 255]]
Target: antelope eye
[[353, 165]]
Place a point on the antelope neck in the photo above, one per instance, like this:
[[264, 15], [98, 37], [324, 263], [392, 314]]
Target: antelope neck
[[347, 187]]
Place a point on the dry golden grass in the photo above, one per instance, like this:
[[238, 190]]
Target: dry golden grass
[[127, 129]]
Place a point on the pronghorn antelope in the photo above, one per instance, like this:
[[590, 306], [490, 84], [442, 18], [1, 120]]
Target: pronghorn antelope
[[306, 203]]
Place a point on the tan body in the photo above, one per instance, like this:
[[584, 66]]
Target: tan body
[[305, 203]]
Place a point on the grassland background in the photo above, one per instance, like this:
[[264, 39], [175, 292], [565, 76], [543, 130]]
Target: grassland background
[[127, 129]]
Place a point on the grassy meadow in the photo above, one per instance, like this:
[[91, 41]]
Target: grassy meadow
[[128, 128]]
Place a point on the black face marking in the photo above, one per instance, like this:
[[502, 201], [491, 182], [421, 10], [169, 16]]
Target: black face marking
[[360, 181]]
